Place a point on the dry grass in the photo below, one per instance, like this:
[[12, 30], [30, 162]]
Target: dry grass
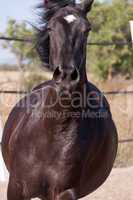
[[122, 111]]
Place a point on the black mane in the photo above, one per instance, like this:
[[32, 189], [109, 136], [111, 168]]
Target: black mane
[[47, 10]]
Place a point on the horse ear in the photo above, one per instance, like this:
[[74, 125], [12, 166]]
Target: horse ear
[[45, 2], [86, 5], [57, 73]]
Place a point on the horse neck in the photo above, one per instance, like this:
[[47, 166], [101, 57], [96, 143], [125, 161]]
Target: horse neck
[[82, 71]]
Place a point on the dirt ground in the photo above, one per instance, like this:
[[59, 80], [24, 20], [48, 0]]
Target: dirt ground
[[119, 186]]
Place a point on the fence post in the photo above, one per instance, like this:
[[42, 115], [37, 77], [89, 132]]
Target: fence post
[[131, 26]]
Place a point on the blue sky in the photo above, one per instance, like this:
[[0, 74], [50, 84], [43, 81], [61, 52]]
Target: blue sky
[[19, 10]]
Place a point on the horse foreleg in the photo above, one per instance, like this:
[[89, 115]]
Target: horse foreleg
[[69, 194], [15, 191]]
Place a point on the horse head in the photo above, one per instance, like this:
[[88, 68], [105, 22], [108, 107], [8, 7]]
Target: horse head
[[62, 41]]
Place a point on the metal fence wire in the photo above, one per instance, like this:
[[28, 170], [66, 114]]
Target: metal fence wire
[[95, 43]]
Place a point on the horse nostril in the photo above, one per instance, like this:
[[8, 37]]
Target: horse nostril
[[57, 74], [75, 75]]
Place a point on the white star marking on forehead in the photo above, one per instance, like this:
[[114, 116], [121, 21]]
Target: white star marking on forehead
[[70, 18]]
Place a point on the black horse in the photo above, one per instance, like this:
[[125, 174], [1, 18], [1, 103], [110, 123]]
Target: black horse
[[60, 141]]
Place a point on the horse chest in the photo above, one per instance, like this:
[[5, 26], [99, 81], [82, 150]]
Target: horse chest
[[64, 148], [62, 163]]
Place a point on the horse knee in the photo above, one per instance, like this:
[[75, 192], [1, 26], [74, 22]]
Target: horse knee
[[69, 194]]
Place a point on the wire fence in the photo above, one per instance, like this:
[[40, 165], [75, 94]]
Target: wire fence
[[102, 43], [105, 93], [27, 40]]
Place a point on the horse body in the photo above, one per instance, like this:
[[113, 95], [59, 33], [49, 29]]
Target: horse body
[[48, 156], [70, 154]]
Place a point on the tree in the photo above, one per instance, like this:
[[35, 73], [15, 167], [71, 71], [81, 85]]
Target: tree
[[24, 52], [111, 23]]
